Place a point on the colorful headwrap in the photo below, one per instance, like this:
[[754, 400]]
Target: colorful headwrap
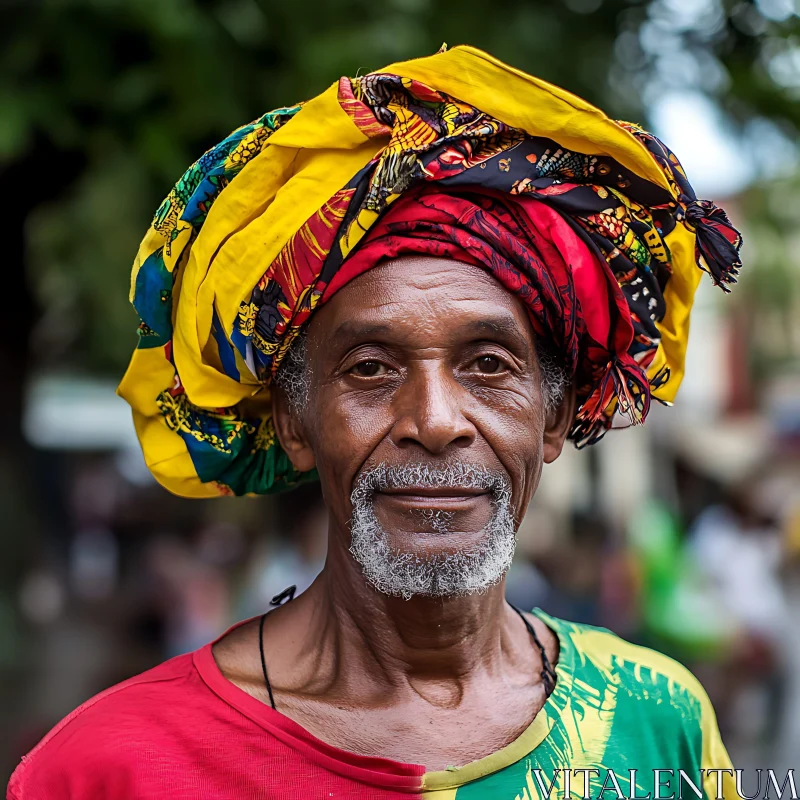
[[591, 222]]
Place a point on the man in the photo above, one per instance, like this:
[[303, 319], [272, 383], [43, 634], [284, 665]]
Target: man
[[414, 287]]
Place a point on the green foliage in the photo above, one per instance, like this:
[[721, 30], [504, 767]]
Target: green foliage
[[770, 287]]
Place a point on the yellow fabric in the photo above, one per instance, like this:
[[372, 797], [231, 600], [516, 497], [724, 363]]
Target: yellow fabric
[[531, 104], [226, 263], [715, 757], [674, 328]]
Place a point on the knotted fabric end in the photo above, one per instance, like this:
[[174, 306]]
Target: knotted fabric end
[[718, 242], [623, 386]]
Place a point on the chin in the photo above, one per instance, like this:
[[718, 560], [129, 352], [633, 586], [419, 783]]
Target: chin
[[433, 564], [427, 544]]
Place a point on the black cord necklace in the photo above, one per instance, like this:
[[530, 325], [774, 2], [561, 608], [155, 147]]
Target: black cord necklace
[[286, 595], [548, 673]]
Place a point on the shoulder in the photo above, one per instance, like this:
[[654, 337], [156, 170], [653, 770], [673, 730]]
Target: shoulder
[[644, 705], [103, 733], [644, 683]]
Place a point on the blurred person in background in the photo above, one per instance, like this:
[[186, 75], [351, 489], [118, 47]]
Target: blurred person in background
[[190, 586], [526, 585], [737, 546], [414, 288], [295, 557]]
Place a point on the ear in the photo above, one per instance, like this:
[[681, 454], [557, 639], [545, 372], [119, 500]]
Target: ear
[[291, 432], [557, 425]]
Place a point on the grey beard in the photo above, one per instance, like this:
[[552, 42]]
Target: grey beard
[[394, 572]]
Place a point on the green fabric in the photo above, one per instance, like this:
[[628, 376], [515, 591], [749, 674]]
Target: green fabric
[[616, 707]]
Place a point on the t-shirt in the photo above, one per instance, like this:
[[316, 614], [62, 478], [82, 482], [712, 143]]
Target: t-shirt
[[182, 730]]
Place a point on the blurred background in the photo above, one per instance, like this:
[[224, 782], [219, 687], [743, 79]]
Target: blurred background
[[683, 535]]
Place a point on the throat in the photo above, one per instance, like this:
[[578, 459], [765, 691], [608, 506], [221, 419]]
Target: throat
[[437, 639], [445, 695]]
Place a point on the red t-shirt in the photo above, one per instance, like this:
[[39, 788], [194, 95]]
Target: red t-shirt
[[182, 730]]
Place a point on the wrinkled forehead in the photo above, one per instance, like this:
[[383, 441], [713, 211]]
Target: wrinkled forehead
[[424, 298]]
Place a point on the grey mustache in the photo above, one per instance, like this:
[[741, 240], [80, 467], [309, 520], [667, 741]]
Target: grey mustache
[[454, 476]]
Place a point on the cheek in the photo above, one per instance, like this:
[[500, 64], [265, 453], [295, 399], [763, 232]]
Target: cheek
[[513, 426], [345, 434]]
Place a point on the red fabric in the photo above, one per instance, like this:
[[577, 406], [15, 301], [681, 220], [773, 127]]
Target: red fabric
[[572, 297], [181, 731]]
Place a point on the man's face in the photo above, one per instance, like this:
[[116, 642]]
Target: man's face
[[426, 399]]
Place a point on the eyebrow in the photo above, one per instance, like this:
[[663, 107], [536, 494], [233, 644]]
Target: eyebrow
[[504, 326], [350, 332]]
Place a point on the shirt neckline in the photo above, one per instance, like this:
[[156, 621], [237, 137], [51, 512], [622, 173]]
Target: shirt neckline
[[372, 770], [384, 772], [533, 735]]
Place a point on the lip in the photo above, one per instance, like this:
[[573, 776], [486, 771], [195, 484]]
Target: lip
[[434, 491], [439, 498]]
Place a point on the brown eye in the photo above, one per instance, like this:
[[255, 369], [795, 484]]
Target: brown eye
[[489, 365], [367, 369]]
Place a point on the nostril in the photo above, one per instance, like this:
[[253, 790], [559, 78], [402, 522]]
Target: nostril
[[434, 436]]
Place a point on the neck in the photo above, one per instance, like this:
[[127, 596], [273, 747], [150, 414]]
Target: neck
[[436, 638]]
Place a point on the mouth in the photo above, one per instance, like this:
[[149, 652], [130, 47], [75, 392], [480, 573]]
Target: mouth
[[432, 497]]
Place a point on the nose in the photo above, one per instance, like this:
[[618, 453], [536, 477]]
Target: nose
[[429, 410]]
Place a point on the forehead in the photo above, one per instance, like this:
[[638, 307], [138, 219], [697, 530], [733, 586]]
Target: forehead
[[426, 296]]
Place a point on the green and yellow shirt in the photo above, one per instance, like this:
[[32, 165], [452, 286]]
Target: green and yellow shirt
[[619, 710]]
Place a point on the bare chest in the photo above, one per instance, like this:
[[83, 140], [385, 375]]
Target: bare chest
[[418, 733]]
